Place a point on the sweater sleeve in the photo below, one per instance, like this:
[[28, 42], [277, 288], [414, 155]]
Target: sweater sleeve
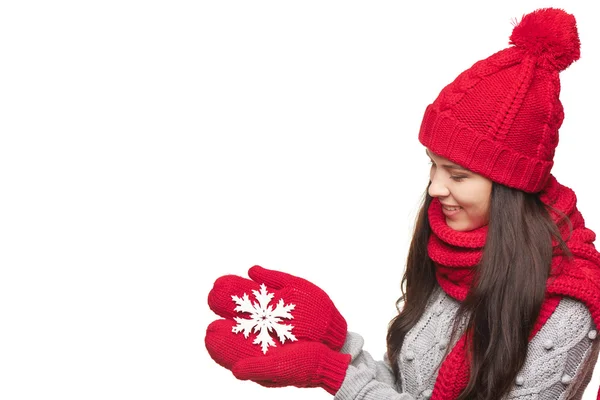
[[561, 357], [559, 363], [366, 378]]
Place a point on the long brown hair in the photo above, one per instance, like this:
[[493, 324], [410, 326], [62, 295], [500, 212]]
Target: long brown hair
[[505, 300]]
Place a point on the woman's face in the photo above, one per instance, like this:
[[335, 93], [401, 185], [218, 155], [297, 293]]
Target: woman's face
[[456, 186]]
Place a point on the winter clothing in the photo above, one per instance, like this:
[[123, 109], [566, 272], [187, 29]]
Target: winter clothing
[[559, 364], [319, 331], [315, 316], [560, 358], [303, 364], [500, 118]]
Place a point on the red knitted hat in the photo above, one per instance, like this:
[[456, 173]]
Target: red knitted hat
[[500, 118]]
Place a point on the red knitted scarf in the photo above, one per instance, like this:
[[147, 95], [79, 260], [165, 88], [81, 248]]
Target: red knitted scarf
[[455, 253]]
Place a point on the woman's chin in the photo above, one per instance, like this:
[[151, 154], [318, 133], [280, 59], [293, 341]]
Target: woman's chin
[[462, 226]]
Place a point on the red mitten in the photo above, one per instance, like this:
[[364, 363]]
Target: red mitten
[[314, 316], [301, 364], [226, 347]]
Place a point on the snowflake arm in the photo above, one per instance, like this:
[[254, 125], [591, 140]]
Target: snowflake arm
[[283, 311], [244, 325], [243, 304], [263, 298], [283, 331], [264, 339]]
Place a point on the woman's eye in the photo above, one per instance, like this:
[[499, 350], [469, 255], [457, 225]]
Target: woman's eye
[[453, 177]]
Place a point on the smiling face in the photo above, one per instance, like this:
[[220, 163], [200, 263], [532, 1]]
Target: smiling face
[[455, 186]]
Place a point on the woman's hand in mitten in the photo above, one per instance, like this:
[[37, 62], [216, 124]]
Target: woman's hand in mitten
[[225, 346], [300, 364], [313, 315]]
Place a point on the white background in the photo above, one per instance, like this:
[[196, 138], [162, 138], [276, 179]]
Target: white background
[[149, 147]]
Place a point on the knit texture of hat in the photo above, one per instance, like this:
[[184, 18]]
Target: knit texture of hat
[[500, 118]]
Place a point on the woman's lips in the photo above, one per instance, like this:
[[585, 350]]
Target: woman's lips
[[449, 213]]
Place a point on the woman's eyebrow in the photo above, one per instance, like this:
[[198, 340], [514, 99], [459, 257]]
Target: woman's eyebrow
[[448, 166]]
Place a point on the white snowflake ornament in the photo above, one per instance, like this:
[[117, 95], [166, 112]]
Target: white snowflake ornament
[[263, 318]]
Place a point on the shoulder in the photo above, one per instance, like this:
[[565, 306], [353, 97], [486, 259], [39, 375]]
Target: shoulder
[[570, 325], [571, 319], [555, 365]]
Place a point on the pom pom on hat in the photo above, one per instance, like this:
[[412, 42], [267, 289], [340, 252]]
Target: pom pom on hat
[[549, 34]]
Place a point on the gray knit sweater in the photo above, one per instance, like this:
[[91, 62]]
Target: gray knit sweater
[[559, 363]]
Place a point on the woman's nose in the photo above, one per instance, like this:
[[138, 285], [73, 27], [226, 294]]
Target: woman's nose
[[437, 188]]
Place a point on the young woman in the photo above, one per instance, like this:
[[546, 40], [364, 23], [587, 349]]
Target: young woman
[[501, 292]]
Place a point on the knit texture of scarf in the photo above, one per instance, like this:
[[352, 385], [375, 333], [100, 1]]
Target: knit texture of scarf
[[456, 253]]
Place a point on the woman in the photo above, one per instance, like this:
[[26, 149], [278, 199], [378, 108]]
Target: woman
[[500, 293]]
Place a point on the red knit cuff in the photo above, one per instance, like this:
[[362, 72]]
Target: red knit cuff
[[332, 371], [445, 135], [336, 333]]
